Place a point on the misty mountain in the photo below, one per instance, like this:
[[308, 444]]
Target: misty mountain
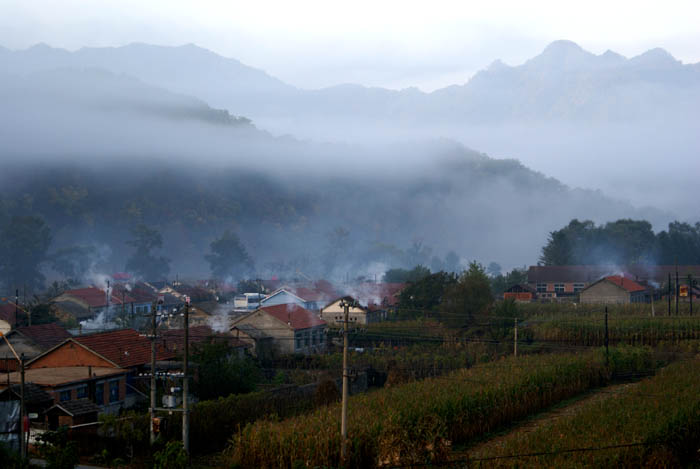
[[95, 154], [563, 82], [585, 119], [95, 90]]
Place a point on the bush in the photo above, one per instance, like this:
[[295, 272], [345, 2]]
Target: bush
[[58, 452], [173, 456]]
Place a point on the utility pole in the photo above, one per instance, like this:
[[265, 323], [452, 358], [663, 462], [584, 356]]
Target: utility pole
[[16, 305], [185, 383], [678, 287], [607, 341], [153, 369], [669, 294], [515, 339], [29, 312], [690, 292], [22, 446], [344, 415]]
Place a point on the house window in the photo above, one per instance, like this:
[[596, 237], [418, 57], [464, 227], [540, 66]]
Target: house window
[[299, 339], [113, 391], [64, 396], [541, 287], [307, 338], [82, 392], [559, 287], [579, 286], [321, 337], [313, 338], [100, 393]]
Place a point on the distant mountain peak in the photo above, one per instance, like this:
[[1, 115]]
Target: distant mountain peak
[[497, 65], [41, 46], [563, 54], [655, 57], [611, 55], [562, 46]]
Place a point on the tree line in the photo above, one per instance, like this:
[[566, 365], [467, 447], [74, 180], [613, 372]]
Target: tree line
[[622, 242], [25, 251]]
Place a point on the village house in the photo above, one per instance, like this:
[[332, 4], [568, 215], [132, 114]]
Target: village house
[[124, 349], [334, 313], [380, 296], [105, 386], [30, 341], [36, 400], [614, 289], [262, 345], [88, 303], [293, 329], [312, 297], [173, 340], [565, 282]]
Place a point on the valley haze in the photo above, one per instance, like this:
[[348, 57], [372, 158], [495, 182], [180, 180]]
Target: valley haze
[[347, 178]]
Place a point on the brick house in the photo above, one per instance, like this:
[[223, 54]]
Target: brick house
[[614, 289], [334, 314], [124, 350], [293, 329], [30, 341]]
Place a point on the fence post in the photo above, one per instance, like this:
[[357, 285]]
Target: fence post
[[607, 351]]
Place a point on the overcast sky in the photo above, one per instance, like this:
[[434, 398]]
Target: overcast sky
[[395, 44]]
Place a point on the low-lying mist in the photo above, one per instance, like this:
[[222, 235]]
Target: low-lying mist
[[93, 172]]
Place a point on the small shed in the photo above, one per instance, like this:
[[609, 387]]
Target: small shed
[[520, 293], [71, 413], [263, 344]]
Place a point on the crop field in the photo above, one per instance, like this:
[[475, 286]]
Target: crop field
[[590, 330], [654, 423], [416, 423]]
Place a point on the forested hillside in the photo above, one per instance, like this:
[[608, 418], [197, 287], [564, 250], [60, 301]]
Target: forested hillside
[[623, 242]]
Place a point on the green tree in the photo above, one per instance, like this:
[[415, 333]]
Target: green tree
[[494, 269], [221, 372], [229, 257], [143, 262], [427, 292], [468, 297], [680, 243], [72, 262], [24, 243], [501, 283], [621, 242], [404, 275], [57, 449], [452, 262], [418, 254]]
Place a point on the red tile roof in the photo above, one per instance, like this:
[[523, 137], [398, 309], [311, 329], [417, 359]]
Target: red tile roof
[[45, 335], [311, 294], [96, 298], [125, 347], [625, 283], [295, 315], [174, 339]]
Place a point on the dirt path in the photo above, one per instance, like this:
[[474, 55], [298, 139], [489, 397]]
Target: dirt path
[[564, 409]]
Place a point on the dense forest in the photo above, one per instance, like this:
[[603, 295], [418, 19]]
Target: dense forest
[[622, 242]]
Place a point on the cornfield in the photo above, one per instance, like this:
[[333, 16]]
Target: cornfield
[[416, 423], [655, 423]]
